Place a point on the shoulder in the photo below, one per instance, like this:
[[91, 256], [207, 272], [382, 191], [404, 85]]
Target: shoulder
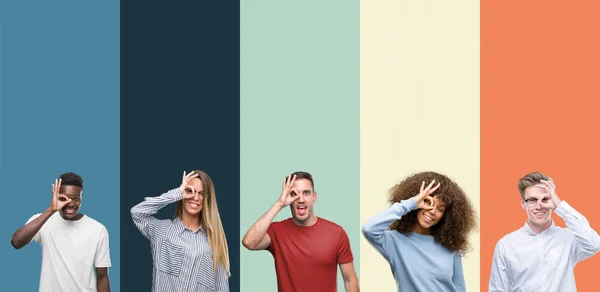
[[563, 232], [33, 217], [328, 223], [331, 226], [91, 221], [94, 225], [510, 239], [280, 225]]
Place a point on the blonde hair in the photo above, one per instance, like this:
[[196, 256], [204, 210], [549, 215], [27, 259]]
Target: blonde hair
[[531, 179], [210, 220]]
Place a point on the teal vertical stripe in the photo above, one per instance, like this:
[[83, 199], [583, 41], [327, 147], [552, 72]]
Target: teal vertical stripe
[[299, 111], [60, 113]]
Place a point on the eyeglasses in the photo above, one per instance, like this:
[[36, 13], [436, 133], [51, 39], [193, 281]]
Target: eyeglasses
[[533, 201]]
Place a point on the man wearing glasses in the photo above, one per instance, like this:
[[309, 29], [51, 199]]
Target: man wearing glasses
[[307, 249], [541, 256], [72, 244]]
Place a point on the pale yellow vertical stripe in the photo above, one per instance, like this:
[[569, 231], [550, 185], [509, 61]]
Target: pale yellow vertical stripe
[[419, 109]]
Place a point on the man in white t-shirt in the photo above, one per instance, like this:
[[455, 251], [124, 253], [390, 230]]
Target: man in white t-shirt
[[72, 244]]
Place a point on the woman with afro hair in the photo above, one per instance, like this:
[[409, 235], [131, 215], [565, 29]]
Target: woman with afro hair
[[424, 234]]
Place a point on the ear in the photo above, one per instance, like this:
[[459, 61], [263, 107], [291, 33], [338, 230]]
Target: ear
[[314, 197], [523, 204]]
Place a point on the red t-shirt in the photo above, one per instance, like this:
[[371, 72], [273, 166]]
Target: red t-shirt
[[306, 258]]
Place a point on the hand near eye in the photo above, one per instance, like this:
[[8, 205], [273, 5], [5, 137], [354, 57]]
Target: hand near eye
[[189, 192], [58, 201], [185, 180], [551, 189], [287, 189], [423, 198]]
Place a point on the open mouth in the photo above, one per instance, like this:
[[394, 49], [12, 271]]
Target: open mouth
[[70, 211], [301, 210]]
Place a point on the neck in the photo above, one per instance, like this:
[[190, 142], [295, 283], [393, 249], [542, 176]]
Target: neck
[[417, 228], [310, 221], [190, 221], [537, 229]]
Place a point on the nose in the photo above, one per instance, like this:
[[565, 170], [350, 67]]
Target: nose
[[301, 199]]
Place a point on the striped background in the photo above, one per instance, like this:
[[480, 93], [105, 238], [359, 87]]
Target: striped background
[[360, 94]]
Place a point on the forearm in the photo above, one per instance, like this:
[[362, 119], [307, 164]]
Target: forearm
[[259, 229], [25, 234], [579, 225], [376, 226], [351, 285], [103, 284], [151, 205]]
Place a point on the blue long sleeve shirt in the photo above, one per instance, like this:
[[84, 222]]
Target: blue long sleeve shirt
[[418, 262]]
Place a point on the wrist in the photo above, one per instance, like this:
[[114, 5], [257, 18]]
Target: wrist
[[279, 205]]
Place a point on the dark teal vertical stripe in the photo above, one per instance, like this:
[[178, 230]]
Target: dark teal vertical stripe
[[179, 111]]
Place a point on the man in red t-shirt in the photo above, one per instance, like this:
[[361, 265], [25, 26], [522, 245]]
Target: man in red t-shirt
[[307, 249]]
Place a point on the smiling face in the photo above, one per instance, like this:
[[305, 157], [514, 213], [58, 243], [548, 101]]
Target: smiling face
[[193, 205], [428, 218], [70, 211], [537, 216]]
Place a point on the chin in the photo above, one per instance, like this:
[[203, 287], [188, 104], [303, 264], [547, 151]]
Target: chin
[[67, 216], [539, 221], [193, 212], [300, 218], [425, 226]]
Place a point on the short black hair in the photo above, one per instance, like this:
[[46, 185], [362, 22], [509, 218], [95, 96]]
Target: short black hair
[[71, 179], [304, 175]]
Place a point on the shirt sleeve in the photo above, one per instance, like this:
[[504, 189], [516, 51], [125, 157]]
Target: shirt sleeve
[[458, 277], [587, 241], [344, 254], [102, 259], [272, 237], [499, 278], [38, 236], [374, 229], [143, 212]]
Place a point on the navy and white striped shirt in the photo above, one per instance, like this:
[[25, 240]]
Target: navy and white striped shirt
[[182, 258]]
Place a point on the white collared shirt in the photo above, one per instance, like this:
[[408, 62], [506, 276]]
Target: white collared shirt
[[527, 262]]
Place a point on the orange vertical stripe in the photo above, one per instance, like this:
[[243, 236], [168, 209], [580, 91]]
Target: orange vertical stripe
[[540, 110]]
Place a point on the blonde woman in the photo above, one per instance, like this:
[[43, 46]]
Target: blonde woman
[[189, 252]]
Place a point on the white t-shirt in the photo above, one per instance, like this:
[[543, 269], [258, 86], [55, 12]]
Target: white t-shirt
[[71, 250]]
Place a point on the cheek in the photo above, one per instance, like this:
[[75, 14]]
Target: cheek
[[419, 216], [439, 215]]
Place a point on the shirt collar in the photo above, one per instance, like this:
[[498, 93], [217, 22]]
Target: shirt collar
[[530, 232], [179, 227]]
